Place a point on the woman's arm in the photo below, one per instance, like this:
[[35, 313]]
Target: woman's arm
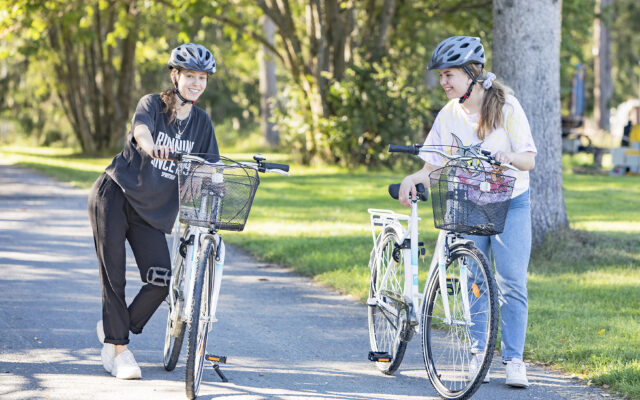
[[524, 161], [143, 137]]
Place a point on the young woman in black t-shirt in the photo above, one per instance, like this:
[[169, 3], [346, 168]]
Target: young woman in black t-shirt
[[136, 200]]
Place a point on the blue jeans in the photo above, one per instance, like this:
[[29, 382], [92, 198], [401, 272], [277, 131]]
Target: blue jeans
[[510, 251]]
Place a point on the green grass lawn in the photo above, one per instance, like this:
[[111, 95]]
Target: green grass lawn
[[584, 283]]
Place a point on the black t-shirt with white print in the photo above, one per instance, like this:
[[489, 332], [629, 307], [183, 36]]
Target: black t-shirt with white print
[[151, 185]]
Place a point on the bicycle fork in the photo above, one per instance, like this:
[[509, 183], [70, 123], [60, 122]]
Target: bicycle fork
[[193, 260], [217, 281], [443, 250]]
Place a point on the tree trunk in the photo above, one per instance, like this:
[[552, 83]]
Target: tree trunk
[[603, 86], [95, 95], [312, 55], [378, 27], [122, 101], [526, 55], [268, 89]]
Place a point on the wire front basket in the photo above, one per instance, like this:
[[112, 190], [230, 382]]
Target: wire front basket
[[470, 200], [218, 196]]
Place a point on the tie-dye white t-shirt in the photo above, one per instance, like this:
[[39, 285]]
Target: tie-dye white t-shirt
[[513, 136]]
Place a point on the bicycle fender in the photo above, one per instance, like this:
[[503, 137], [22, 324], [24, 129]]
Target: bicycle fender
[[460, 242]]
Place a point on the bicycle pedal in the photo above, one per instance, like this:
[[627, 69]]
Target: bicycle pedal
[[379, 356], [216, 359]]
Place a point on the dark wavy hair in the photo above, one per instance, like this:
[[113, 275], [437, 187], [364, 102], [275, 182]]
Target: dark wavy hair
[[168, 98]]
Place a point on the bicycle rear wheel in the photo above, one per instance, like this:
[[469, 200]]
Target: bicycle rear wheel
[[174, 331], [173, 338], [449, 345], [200, 319], [388, 316]]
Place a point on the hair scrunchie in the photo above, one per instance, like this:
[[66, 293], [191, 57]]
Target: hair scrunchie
[[488, 80]]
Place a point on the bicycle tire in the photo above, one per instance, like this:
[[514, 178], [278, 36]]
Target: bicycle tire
[[388, 333], [447, 347], [173, 344], [198, 329]]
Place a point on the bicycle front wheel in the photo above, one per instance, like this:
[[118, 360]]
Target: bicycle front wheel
[[388, 312], [458, 348], [200, 318]]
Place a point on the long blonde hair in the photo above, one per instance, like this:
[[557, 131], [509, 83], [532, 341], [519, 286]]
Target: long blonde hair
[[494, 98]]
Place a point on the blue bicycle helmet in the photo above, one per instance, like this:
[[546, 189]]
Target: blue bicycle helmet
[[192, 56], [457, 51]]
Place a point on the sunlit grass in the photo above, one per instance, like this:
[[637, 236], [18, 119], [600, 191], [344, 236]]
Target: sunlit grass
[[584, 283]]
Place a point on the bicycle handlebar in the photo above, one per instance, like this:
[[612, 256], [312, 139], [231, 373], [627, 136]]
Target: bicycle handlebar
[[397, 148], [259, 165], [415, 149], [270, 166]]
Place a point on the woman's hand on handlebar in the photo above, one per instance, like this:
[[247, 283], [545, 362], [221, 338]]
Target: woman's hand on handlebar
[[524, 161], [503, 157], [161, 152], [407, 191]]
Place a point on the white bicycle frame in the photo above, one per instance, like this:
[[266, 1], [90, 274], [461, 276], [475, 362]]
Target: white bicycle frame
[[192, 259], [189, 271], [411, 294]]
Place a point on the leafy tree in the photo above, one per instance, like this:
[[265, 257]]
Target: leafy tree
[[91, 50], [332, 51], [626, 47], [575, 47]]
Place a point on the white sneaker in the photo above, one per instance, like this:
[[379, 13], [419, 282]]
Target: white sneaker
[[100, 331], [474, 364], [126, 367], [108, 353], [517, 373]]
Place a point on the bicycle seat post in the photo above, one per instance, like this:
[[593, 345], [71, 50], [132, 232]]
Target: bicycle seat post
[[412, 277]]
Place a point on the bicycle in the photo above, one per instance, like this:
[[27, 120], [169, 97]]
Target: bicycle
[[458, 316], [213, 197]]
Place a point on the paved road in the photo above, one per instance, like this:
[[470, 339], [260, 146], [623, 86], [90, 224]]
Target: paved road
[[286, 338]]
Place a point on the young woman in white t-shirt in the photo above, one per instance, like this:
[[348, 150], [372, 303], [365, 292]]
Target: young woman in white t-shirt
[[481, 109]]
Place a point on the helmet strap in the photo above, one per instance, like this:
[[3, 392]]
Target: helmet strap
[[177, 92], [184, 101], [473, 82]]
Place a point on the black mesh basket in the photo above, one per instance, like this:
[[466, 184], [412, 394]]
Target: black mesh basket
[[470, 200], [217, 196]]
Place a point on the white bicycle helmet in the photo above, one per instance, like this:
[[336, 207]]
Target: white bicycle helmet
[[192, 56], [457, 51]]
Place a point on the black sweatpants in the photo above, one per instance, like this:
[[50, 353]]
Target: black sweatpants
[[114, 220]]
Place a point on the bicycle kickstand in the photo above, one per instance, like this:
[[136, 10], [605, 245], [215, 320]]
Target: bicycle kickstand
[[215, 363]]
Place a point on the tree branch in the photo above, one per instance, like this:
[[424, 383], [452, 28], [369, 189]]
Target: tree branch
[[256, 36]]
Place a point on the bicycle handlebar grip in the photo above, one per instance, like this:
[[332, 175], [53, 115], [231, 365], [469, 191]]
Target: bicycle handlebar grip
[[397, 148], [269, 165], [174, 156]]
